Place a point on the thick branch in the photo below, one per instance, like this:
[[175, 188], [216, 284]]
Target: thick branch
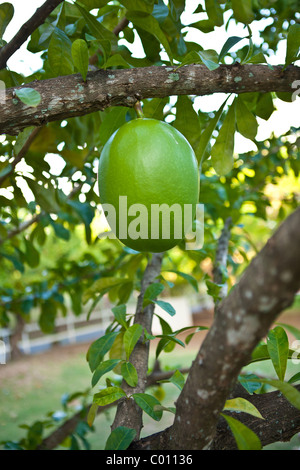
[[69, 96], [267, 287], [281, 421], [26, 30], [128, 412]]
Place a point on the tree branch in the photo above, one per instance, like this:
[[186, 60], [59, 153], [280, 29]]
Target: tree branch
[[21, 153], [266, 288], [69, 96], [281, 421], [221, 258], [68, 427], [128, 412], [25, 225], [26, 30]]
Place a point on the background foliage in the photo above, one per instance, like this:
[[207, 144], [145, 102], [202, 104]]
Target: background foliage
[[51, 251]]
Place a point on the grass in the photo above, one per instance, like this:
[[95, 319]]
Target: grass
[[37, 386]]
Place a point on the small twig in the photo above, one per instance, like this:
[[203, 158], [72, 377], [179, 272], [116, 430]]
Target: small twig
[[26, 30], [21, 153], [35, 218]]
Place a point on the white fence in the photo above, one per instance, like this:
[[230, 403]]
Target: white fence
[[70, 329]]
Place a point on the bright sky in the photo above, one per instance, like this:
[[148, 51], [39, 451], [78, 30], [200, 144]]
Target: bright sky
[[287, 114]]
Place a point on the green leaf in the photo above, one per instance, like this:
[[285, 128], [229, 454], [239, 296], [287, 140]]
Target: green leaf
[[261, 353], [59, 53], [96, 28], [245, 120], [131, 337], [207, 133], [60, 230], [152, 291], [103, 368], [230, 42], [292, 329], [111, 122], [45, 197], [191, 57], [139, 5], [167, 344], [206, 26], [294, 378], [214, 12], [147, 403], [278, 348], [264, 106], [258, 58], [129, 373], [6, 14], [193, 281], [293, 44], [154, 108], [178, 379], [15, 261], [22, 139], [29, 96], [80, 55], [116, 60], [210, 59], [166, 306], [117, 351], [151, 25], [47, 317], [242, 405], [213, 289], [187, 120], [91, 4], [32, 254], [245, 438], [108, 395], [6, 170], [290, 392], [120, 438], [222, 150], [249, 385], [92, 413], [243, 11], [120, 314], [101, 285], [99, 348]]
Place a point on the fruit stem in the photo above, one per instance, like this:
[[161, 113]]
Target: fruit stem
[[138, 109]]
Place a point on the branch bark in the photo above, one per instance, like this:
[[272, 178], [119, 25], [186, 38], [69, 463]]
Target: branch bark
[[69, 96], [267, 287], [26, 30], [281, 421], [221, 259]]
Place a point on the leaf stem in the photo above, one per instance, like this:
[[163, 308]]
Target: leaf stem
[[139, 110]]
